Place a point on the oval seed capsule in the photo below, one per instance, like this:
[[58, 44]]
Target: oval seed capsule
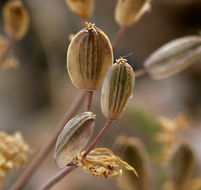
[[181, 166], [83, 8], [117, 88], [174, 57], [16, 19], [89, 57], [73, 138], [128, 12]]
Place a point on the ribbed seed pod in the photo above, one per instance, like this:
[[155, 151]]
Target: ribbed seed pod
[[83, 8], [73, 138], [89, 57], [117, 88], [174, 57], [134, 153], [128, 12], [16, 19], [181, 167]]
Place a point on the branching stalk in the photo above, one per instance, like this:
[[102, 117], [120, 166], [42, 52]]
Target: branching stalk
[[89, 100], [118, 37]]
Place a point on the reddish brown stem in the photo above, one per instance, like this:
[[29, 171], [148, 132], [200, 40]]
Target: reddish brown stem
[[39, 158], [98, 137], [118, 37], [89, 100], [61, 174], [141, 73]]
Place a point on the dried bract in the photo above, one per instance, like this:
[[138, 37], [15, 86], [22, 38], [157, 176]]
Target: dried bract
[[174, 57], [102, 161], [117, 88], [89, 57], [73, 138], [13, 152], [83, 8], [128, 12], [181, 166], [134, 153], [16, 19]]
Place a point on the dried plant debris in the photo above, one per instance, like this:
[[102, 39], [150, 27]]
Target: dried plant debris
[[16, 19], [117, 88], [102, 161], [83, 8], [128, 12], [169, 136], [73, 138], [174, 57], [89, 57], [13, 152], [134, 153]]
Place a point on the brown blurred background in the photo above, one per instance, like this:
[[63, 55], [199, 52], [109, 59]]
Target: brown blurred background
[[35, 96]]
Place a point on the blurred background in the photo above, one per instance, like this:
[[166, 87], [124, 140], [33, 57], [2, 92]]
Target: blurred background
[[35, 96]]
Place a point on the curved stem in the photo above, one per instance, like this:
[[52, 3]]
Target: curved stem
[[39, 158], [98, 137], [89, 99], [118, 37], [61, 174], [141, 73]]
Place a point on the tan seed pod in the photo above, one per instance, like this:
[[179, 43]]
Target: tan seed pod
[[83, 8], [89, 57], [16, 19], [181, 167], [134, 153], [128, 12], [74, 138], [174, 57], [117, 88]]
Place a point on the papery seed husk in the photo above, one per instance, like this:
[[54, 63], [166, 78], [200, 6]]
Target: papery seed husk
[[16, 19], [134, 153], [117, 88], [174, 57], [128, 12], [83, 8], [181, 166], [89, 57], [73, 138]]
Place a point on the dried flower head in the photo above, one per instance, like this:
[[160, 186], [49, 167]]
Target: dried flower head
[[169, 137], [117, 88], [89, 57], [102, 161], [83, 8], [128, 12], [16, 19], [174, 57], [134, 153], [73, 138], [13, 152]]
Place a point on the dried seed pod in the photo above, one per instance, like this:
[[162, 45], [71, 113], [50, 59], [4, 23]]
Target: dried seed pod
[[73, 138], [174, 57], [128, 12], [134, 153], [117, 88], [89, 57], [16, 19], [83, 8], [181, 166]]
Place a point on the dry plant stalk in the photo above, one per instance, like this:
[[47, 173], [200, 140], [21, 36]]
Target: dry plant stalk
[[16, 19]]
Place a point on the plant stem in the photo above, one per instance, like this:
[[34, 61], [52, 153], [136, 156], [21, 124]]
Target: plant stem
[[39, 158], [118, 37], [98, 137], [61, 174], [11, 42], [141, 73], [89, 100]]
